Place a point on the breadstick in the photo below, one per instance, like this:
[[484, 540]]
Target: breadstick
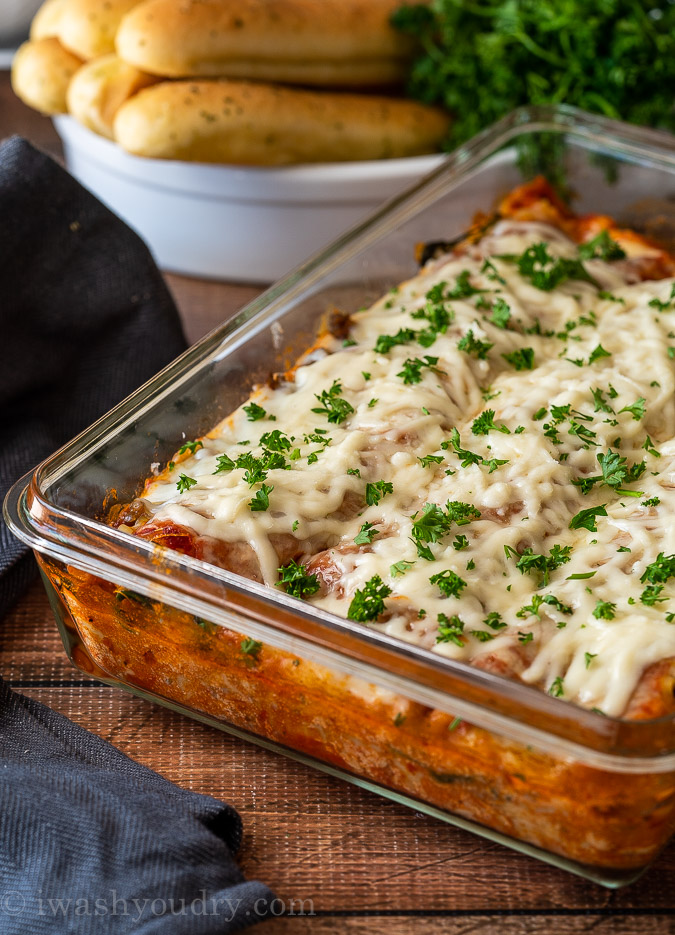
[[260, 124], [99, 89], [339, 43], [88, 27], [47, 19], [41, 72]]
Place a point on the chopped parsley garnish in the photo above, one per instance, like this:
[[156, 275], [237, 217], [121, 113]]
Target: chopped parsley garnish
[[318, 437], [615, 471], [296, 523], [333, 406], [255, 469], [604, 610], [467, 457], [448, 583], [412, 369], [487, 394], [652, 501], [546, 272], [501, 314], [472, 346], [530, 562], [428, 460], [435, 313], [184, 483], [251, 647], [276, 441], [435, 294], [261, 499], [434, 522], [368, 602], [601, 247], [450, 629], [463, 288], [637, 409], [400, 568], [224, 463], [557, 688], [660, 571], [254, 412], [585, 519], [603, 294], [296, 581], [588, 658], [483, 635], [460, 542], [525, 637], [521, 359], [648, 446], [354, 471], [494, 621], [385, 342], [601, 404], [598, 353], [377, 490], [372, 402], [190, 446], [399, 719], [652, 595], [485, 423], [666, 306], [537, 600], [490, 272], [365, 535]]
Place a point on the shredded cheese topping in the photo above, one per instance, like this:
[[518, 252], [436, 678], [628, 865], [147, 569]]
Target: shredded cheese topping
[[492, 483]]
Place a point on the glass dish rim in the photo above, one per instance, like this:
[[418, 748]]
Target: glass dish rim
[[617, 742]]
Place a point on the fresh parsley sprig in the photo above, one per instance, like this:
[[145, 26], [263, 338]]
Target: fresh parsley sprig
[[368, 602], [615, 472], [531, 562], [295, 580], [333, 406]]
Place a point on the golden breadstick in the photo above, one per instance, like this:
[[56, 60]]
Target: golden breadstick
[[100, 88], [88, 27], [47, 19], [41, 72], [340, 43], [261, 124]]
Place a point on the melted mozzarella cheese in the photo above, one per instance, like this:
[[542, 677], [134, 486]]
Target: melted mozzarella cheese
[[526, 502]]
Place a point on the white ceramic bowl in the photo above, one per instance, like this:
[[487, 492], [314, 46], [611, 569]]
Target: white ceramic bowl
[[230, 222]]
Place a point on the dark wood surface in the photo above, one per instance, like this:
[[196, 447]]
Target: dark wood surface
[[363, 864]]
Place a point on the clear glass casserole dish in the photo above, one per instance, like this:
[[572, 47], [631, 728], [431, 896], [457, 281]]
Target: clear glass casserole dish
[[587, 792]]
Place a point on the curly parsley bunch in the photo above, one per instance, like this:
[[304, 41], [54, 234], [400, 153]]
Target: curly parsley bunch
[[482, 59]]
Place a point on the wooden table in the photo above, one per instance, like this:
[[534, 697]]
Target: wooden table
[[366, 864]]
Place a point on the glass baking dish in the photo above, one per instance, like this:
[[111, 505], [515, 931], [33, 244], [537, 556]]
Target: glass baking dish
[[590, 793]]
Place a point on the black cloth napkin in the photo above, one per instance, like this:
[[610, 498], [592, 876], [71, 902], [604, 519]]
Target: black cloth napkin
[[85, 318], [90, 842]]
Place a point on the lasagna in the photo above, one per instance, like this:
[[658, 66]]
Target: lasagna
[[482, 463]]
